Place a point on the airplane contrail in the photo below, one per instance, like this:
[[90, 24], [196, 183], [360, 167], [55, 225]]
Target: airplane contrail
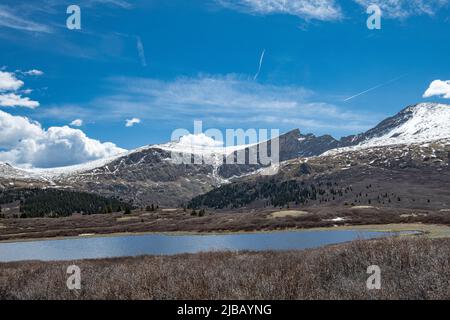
[[139, 46], [141, 52], [261, 60], [374, 88]]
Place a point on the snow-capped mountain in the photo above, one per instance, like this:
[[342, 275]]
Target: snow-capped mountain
[[210, 154], [404, 162], [148, 174], [421, 123]]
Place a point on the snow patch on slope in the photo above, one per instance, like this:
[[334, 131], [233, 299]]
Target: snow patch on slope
[[211, 152], [69, 170], [9, 172], [428, 122]]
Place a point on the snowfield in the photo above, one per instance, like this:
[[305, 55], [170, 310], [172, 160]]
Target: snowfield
[[428, 122]]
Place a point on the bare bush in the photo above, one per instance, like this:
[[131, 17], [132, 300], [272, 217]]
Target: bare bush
[[412, 268]]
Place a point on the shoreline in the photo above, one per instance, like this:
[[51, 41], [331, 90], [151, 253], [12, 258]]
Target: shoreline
[[431, 230]]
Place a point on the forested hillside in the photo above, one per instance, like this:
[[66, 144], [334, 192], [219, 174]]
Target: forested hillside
[[59, 203], [272, 193]]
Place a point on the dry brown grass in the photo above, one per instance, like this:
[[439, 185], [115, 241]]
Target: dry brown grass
[[412, 268], [217, 221]]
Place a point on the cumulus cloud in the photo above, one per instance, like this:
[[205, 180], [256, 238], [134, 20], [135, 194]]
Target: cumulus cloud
[[77, 123], [405, 8], [438, 88], [15, 128], [199, 140], [306, 9], [25, 143], [132, 122], [9, 82], [34, 72], [9, 85], [14, 100]]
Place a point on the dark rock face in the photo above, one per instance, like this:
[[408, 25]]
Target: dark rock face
[[310, 145], [305, 169], [292, 145], [381, 129], [289, 148]]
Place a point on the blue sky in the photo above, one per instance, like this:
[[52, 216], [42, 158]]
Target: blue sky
[[168, 63]]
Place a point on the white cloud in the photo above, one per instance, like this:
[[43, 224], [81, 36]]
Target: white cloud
[[15, 129], [405, 8], [224, 101], [27, 144], [34, 72], [77, 123], [199, 140], [219, 94], [33, 16], [9, 82], [26, 91], [15, 20], [132, 122], [9, 85], [306, 9], [438, 88], [119, 3], [14, 100]]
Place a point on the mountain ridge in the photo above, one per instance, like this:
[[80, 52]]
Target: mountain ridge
[[147, 174], [419, 123]]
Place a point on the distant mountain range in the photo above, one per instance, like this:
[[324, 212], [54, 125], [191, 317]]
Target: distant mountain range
[[147, 175]]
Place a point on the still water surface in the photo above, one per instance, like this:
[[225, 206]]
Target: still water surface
[[163, 244]]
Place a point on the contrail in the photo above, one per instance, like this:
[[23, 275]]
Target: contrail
[[376, 87], [141, 52], [261, 60], [139, 46]]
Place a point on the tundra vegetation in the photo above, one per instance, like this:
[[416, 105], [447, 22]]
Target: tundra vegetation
[[411, 268]]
